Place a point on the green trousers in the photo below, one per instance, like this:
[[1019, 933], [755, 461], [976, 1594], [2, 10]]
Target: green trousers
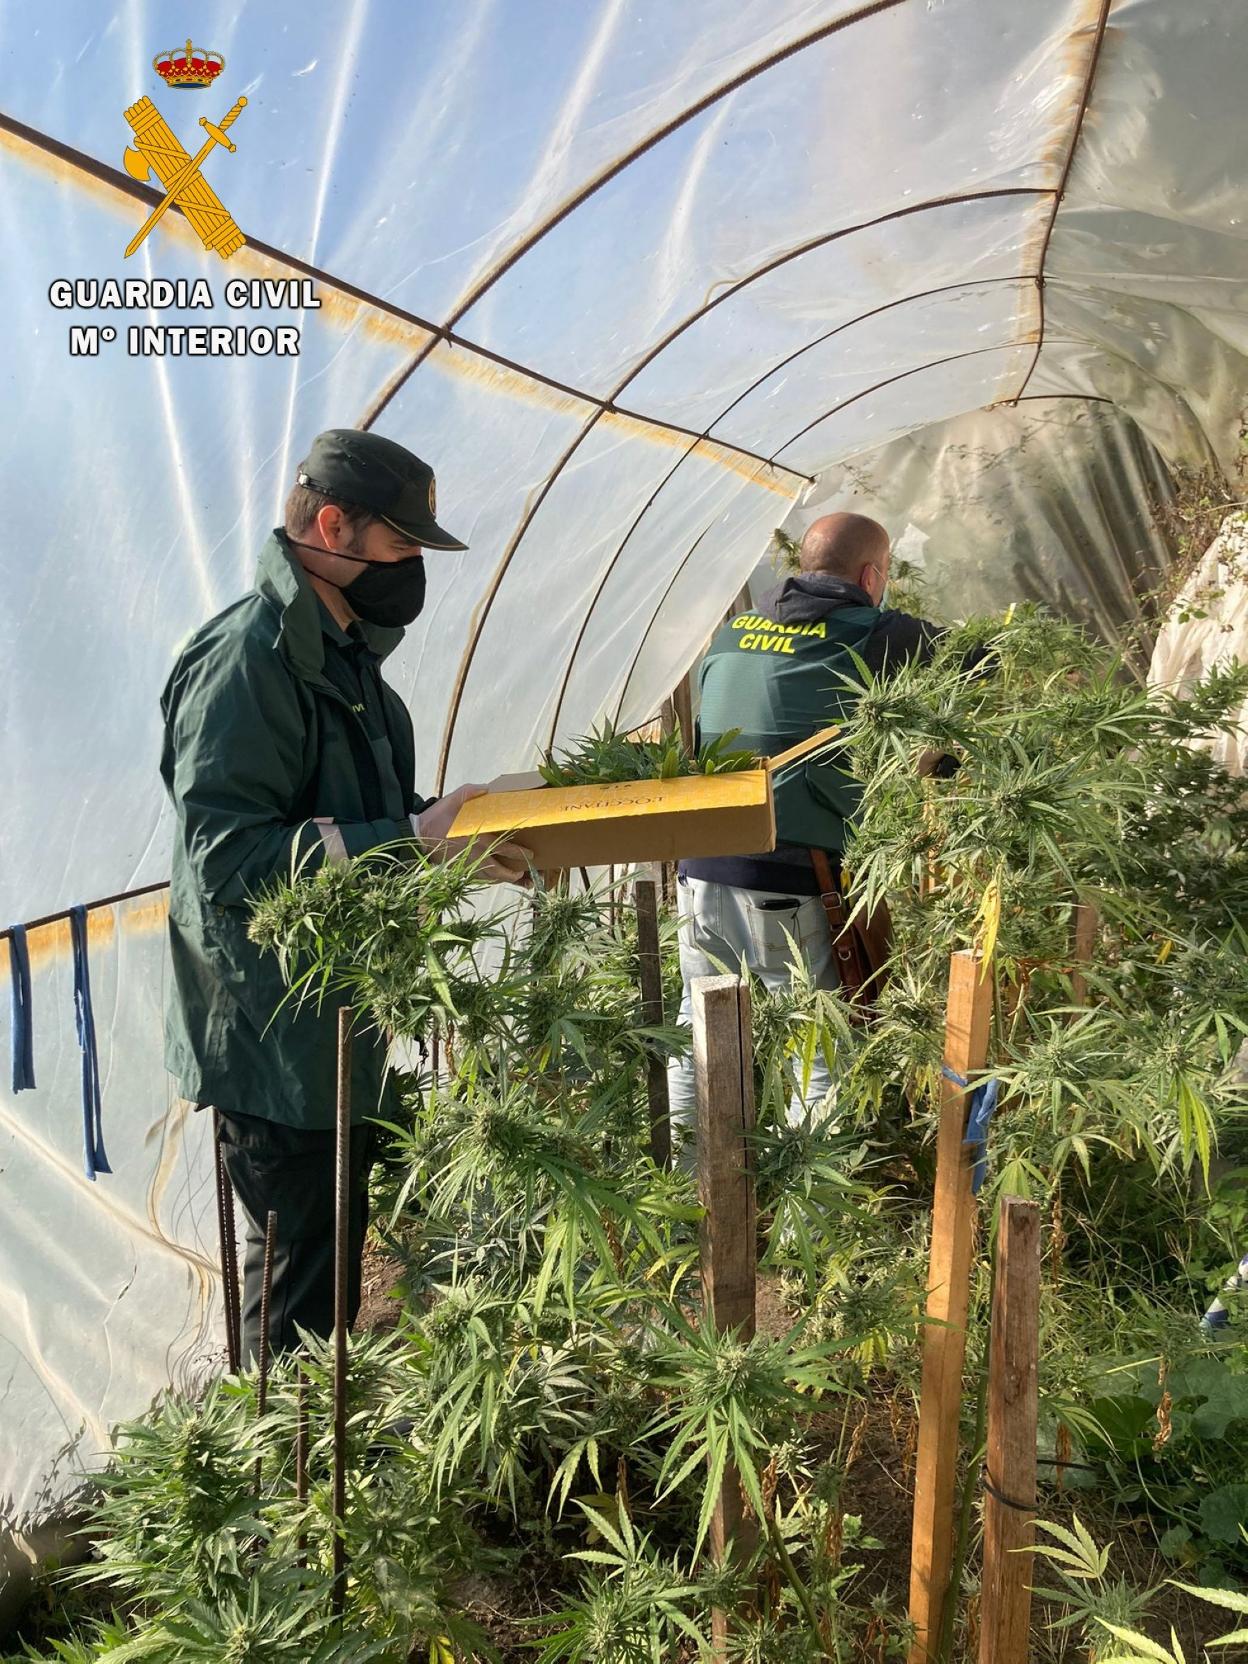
[[290, 1170]]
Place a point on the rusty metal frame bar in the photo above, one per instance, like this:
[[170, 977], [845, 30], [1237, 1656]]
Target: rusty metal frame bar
[[708, 433], [519, 249], [123, 182], [810, 247], [342, 1226], [1082, 398], [485, 605], [602, 584], [1085, 99], [91, 906], [917, 369], [654, 617]]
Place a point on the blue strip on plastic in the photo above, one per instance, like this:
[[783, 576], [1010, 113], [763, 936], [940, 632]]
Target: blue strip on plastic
[[983, 1106], [93, 1155], [21, 1012]]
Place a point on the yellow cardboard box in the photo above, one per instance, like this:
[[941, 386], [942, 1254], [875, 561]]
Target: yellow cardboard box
[[637, 820]]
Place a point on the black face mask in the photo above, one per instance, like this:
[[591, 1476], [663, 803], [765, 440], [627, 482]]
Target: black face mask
[[390, 593]]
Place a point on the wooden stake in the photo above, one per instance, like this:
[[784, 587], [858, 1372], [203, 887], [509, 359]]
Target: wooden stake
[[967, 1017], [1087, 925], [342, 1204], [667, 873], [1010, 1499], [723, 1065], [682, 705], [651, 966]]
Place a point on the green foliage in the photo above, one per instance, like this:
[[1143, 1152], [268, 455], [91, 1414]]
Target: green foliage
[[785, 553], [1182, 1442], [632, 1606], [1107, 1611], [606, 757], [550, 1362], [571, 1412], [1075, 787], [1191, 516], [205, 1561], [1094, 1602]]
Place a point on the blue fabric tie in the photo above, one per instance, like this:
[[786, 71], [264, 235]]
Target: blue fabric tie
[[983, 1105], [22, 1012], [93, 1156]]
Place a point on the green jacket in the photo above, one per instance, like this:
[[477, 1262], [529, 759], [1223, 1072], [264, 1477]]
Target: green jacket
[[778, 674], [270, 764], [779, 683]]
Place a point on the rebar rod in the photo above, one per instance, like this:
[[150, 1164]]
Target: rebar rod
[[236, 1293], [225, 1231], [341, 1224], [301, 1454], [266, 1296]]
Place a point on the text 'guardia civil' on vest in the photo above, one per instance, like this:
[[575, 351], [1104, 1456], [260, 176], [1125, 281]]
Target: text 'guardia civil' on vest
[[755, 621]]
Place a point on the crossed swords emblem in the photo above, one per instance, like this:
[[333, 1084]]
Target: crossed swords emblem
[[156, 149]]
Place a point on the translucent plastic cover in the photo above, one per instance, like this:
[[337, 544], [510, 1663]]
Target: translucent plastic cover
[[636, 279]]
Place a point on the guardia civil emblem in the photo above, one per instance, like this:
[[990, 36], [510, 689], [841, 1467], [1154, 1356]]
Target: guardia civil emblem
[[157, 150]]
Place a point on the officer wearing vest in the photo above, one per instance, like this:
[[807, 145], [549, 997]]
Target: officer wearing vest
[[284, 748], [773, 673]]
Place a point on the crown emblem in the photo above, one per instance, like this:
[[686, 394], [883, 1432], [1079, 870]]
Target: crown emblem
[[189, 67]]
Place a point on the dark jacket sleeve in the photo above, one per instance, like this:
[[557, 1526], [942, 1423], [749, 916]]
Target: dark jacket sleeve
[[235, 766], [906, 637], [900, 637]]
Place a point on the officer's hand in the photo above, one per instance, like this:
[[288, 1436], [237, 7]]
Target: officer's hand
[[506, 863], [937, 764]]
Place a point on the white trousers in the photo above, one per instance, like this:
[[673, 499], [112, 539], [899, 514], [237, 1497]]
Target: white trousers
[[720, 926]]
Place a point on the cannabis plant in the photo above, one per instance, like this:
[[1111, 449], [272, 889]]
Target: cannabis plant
[[1107, 1611], [212, 1546], [556, 1406], [606, 757]]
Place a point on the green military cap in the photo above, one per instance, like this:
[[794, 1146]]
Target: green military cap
[[367, 471]]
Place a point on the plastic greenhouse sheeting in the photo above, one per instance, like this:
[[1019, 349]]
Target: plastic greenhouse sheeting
[[982, 507], [635, 277], [1207, 629]]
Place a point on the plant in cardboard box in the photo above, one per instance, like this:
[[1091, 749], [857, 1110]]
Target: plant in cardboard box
[[607, 757]]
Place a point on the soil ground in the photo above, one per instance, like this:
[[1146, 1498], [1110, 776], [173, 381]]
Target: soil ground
[[879, 1488]]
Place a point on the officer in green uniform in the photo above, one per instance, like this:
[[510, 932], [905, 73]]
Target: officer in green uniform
[[774, 674], [284, 748]]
